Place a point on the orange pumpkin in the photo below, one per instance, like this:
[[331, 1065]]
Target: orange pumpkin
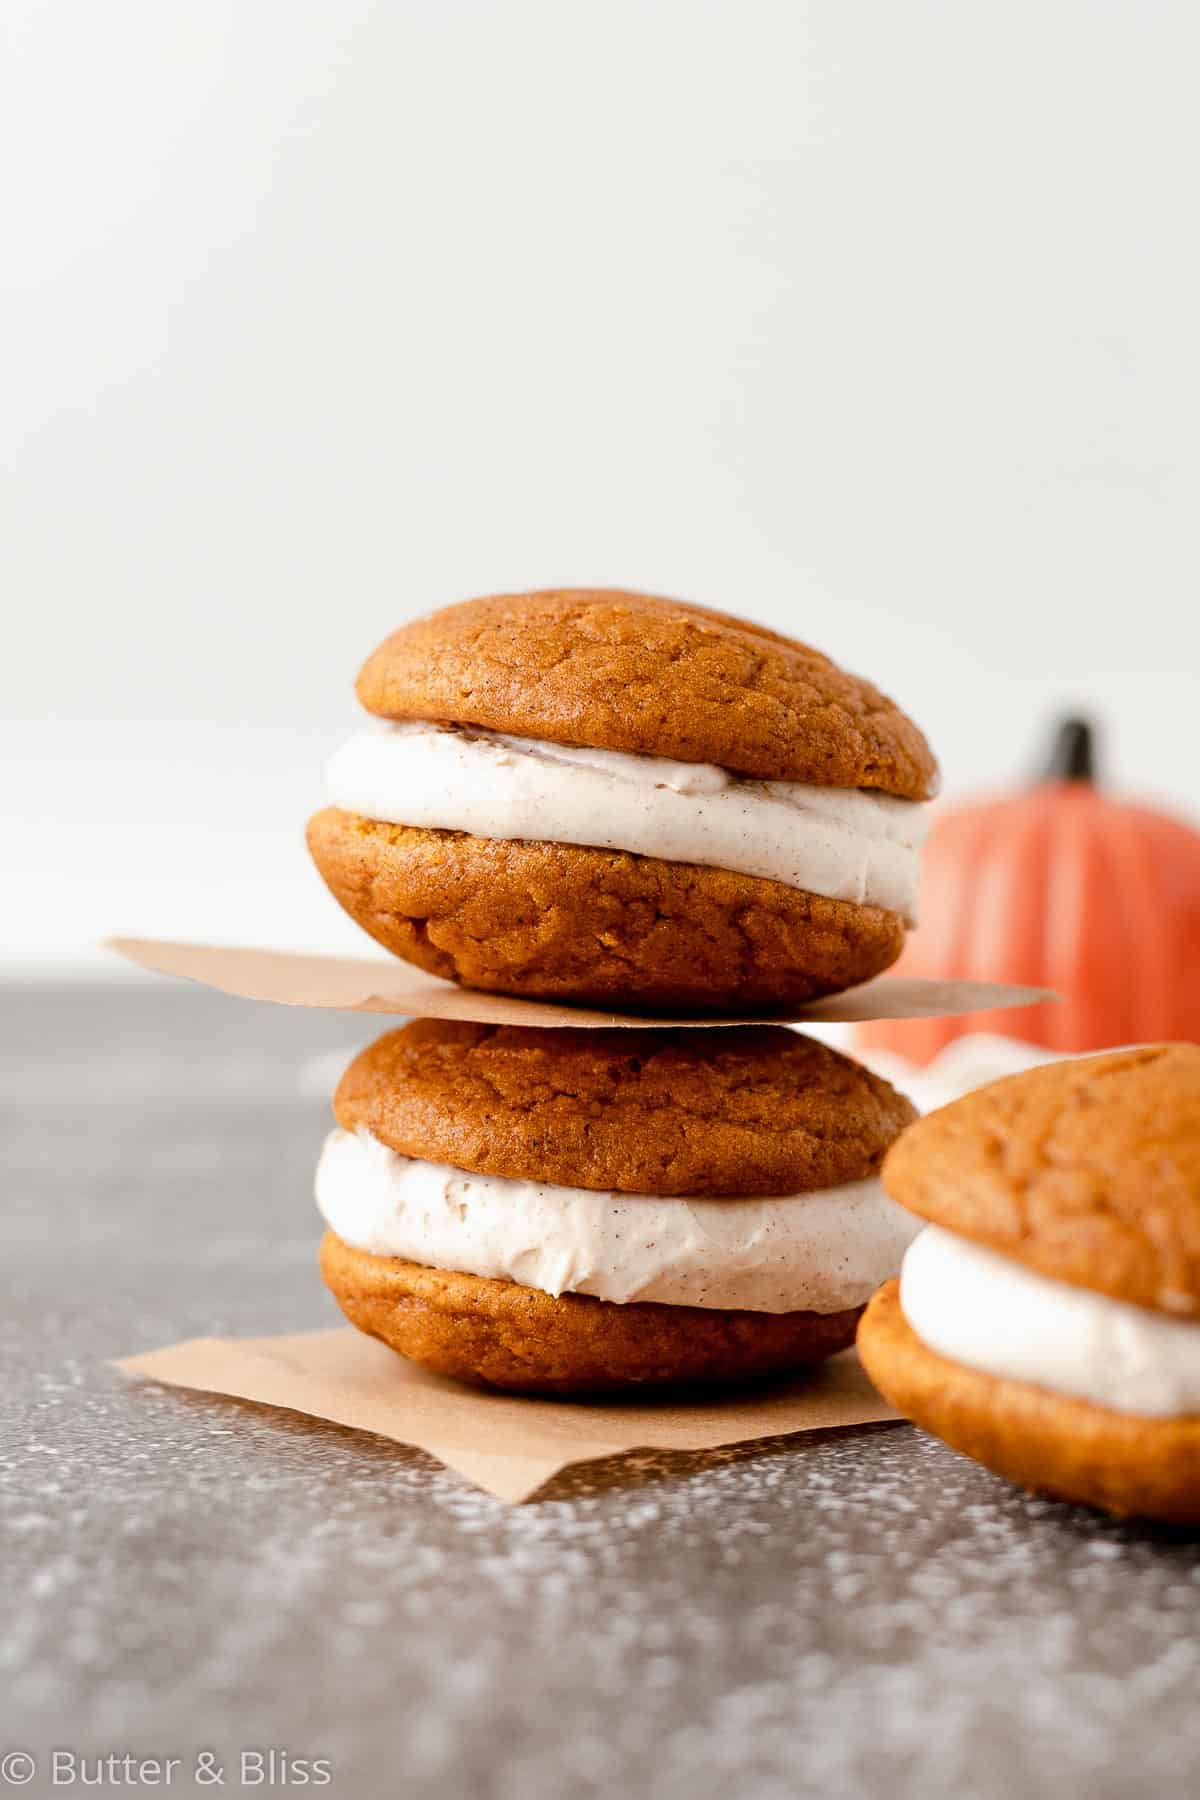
[[1061, 886]]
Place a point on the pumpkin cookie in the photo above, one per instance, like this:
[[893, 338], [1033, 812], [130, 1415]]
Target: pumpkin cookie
[[564, 922], [569, 1211], [500, 1335], [616, 798], [740, 1110], [1047, 1442], [658, 677], [1068, 1199]]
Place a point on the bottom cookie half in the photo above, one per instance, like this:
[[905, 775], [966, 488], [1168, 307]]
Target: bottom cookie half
[[1068, 1449], [562, 922], [501, 1335]]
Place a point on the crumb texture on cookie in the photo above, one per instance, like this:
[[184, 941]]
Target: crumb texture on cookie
[[636, 672], [720, 1111], [1086, 1170], [497, 1334], [568, 922], [1069, 1449]]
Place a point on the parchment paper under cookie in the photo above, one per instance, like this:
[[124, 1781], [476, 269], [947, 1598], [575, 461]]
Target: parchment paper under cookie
[[504, 1443], [368, 985]]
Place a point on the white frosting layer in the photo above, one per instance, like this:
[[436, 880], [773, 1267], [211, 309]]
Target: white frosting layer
[[844, 843], [977, 1307], [816, 1252]]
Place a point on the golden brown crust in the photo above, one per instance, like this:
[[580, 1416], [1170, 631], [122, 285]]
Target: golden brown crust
[[1088, 1171], [564, 922], [727, 1110], [624, 671], [501, 1335], [1145, 1468]]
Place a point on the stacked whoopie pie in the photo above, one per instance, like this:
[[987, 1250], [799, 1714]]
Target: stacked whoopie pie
[[613, 798], [1047, 1321], [608, 797]]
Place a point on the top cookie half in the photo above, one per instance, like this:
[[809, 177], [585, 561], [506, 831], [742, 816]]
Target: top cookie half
[[636, 673], [1087, 1171], [734, 1110]]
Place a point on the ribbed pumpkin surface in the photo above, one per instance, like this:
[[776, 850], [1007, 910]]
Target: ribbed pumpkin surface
[[1063, 887]]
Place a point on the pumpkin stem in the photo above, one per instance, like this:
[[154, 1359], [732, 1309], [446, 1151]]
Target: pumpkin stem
[[1073, 755]]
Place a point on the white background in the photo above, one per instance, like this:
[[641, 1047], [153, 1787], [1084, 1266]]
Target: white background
[[875, 319]]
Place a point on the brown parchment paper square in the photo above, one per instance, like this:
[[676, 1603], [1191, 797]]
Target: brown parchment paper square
[[505, 1443], [369, 985]]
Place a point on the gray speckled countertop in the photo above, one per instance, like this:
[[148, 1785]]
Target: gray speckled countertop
[[864, 1613]]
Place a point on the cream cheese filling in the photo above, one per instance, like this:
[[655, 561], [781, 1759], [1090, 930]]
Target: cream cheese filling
[[820, 1252], [976, 1307], [843, 843]]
